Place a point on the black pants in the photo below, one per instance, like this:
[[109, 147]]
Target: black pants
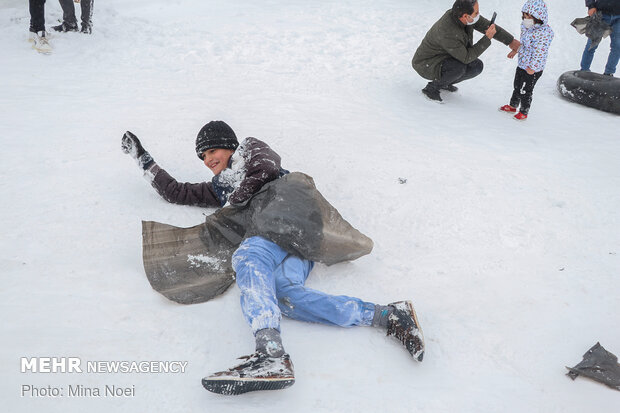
[[37, 15], [453, 71], [68, 12], [524, 87]]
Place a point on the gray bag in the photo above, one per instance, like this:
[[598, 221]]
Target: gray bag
[[191, 265]]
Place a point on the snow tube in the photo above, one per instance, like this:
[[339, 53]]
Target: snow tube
[[591, 89]]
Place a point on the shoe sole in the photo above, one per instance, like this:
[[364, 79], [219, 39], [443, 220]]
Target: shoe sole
[[420, 335], [440, 102], [233, 387]]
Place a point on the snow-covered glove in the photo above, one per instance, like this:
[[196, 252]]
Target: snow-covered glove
[[131, 145]]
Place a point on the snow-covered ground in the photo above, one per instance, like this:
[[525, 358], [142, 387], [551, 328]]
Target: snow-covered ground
[[506, 235]]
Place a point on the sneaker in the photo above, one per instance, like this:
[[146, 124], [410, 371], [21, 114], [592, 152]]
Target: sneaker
[[608, 74], [257, 372], [86, 29], [508, 109], [432, 93], [39, 42], [404, 326], [65, 27], [450, 88], [520, 116]]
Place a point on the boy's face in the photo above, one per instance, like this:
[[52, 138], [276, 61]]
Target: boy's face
[[216, 159]]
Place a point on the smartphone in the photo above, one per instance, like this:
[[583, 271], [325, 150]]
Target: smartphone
[[493, 18]]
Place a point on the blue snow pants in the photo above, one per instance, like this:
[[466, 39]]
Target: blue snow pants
[[272, 283]]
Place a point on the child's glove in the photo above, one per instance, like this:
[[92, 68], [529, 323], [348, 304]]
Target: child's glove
[[131, 145]]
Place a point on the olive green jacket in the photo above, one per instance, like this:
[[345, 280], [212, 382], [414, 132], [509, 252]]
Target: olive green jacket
[[451, 38]]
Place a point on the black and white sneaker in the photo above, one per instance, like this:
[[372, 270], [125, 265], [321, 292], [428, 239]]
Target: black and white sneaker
[[65, 27], [257, 372], [404, 326]]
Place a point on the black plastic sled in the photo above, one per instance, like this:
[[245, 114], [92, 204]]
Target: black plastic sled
[[591, 89]]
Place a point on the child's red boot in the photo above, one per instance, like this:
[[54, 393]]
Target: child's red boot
[[508, 109], [520, 116]]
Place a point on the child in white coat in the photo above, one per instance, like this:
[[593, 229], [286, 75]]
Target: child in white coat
[[536, 37]]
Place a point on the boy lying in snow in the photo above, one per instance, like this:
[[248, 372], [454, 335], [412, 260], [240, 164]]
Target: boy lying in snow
[[271, 280]]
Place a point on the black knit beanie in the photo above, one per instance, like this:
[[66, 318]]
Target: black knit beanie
[[215, 134]]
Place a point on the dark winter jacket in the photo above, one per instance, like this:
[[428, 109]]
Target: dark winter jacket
[[252, 165], [450, 38], [606, 6]]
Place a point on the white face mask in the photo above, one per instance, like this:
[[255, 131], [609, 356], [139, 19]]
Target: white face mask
[[528, 23], [475, 20]]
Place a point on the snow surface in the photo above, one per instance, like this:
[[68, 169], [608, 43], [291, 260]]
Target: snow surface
[[505, 235]]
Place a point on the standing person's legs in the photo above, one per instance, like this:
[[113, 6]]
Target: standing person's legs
[[526, 98], [37, 15], [588, 56], [614, 53], [524, 88], [305, 304], [515, 100], [87, 15], [68, 13]]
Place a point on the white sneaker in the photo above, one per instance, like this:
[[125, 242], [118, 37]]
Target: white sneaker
[[40, 43]]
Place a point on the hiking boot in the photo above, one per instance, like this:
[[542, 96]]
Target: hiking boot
[[404, 326], [432, 93], [508, 109], [450, 88], [257, 372], [520, 116], [65, 27]]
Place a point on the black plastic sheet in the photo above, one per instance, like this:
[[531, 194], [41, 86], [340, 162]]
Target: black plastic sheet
[[191, 265], [600, 365], [593, 27]]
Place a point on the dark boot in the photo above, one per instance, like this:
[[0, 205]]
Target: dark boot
[[87, 16], [257, 372], [66, 27], [432, 92], [404, 326]]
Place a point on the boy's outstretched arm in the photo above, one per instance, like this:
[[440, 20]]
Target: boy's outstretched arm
[[130, 144], [197, 194]]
